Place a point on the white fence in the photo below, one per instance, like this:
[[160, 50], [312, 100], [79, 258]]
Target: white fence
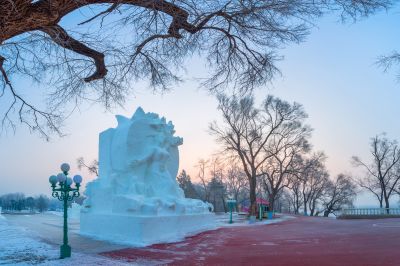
[[371, 211]]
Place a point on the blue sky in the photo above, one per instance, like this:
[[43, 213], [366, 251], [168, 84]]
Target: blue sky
[[348, 99]]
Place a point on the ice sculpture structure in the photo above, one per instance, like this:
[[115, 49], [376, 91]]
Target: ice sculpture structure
[[136, 199]]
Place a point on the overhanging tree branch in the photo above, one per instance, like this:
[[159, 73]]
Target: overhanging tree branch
[[238, 39], [61, 37]]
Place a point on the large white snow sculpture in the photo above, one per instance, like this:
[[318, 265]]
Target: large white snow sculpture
[[136, 199]]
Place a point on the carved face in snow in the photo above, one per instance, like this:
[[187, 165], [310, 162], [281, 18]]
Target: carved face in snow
[[145, 139]]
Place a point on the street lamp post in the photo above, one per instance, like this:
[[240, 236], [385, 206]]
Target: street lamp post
[[62, 193], [231, 205]]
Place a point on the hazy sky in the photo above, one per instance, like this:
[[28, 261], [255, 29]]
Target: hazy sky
[[348, 99]]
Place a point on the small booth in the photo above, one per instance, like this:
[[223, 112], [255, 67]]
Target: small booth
[[262, 208]]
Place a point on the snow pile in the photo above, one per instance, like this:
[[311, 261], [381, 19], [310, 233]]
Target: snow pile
[[136, 196], [56, 213], [75, 211]]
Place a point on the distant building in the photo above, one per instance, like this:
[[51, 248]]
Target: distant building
[[217, 195]]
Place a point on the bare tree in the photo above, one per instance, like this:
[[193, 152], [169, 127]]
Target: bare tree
[[306, 183], [216, 167], [93, 167], [294, 195], [382, 176], [278, 171], [42, 203], [30, 203], [294, 187], [214, 186], [130, 40], [314, 178], [288, 143], [340, 193], [202, 167], [389, 61], [249, 134], [286, 202], [236, 182], [318, 187]]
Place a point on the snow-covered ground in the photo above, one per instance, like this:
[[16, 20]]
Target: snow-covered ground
[[22, 246]]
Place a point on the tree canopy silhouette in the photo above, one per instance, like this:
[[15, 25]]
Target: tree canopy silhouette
[[129, 40]]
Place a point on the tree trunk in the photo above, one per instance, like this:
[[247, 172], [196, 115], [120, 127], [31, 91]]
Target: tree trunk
[[312, 207], [237, 203], [381, 198], [253, 197], [224, 204], [297, 205], [387, 204], [305, 208], [271, 199]]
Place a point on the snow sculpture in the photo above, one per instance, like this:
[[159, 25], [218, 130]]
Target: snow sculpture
[[136, 198], [75, 211]]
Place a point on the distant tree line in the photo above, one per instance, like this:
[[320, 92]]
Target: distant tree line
[[310, 192], [216, 182], [18, 202]]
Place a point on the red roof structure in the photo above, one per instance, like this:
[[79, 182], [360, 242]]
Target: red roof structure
[[262, 201], [245, 205]]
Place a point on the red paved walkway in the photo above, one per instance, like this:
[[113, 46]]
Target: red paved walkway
[[300, 241]]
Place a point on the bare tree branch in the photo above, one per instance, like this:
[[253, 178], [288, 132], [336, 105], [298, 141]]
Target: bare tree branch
[[105, 12], [389, 61], [61, 37], [151, 40], [382, 175]]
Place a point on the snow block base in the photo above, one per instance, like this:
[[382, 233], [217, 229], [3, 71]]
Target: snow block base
[[144, 230]]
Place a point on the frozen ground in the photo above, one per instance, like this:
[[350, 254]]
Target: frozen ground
[[241, 220], [21, 246], [35, 239], [303, 241]]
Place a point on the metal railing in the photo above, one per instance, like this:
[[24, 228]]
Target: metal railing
[[371, 211]]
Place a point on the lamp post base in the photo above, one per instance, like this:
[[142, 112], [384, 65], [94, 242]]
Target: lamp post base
[[65, 251]]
